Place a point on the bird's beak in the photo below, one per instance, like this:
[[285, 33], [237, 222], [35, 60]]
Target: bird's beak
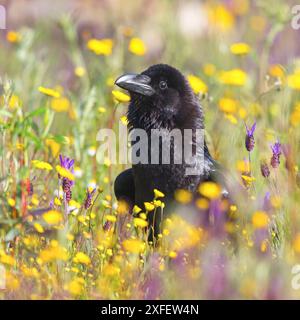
[[137, 83]]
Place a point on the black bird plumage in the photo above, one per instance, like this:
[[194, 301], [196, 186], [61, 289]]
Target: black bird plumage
[[161, 98]]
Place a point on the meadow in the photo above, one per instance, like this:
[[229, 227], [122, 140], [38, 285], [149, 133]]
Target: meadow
[[62, 233]]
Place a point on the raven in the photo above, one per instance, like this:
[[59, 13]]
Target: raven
[[161, 98]]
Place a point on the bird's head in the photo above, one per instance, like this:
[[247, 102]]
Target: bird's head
[[161, 97]]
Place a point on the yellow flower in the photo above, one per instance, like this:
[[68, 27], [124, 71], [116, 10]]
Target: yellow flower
[[293, 81], [247, 180], [149, 206], [136, 209], [133, 245], [79, 71], [138, 222], [260, 219], [76, 286], [61, 104], [231, 118], [243, 166], [11, 202], [124, 120], [158, 194], [210, 190], [102, 109], [296, 243], [64, 172], [53, 252], [228, 105], [209, 69], [276, 70], [234, 77], [202, 203], [6, 259], [100, 47], [111, 218], [13, 36], [35, 200], [57, 202], [120, 96], [295, 115], [197, 84], [14, 102], [81, 257], [183, 196], [54, 146], [220, 17], [41, 165], [53, 217], [137, 46], [49, 92], [38, 227], [172, 254], [240, 48]]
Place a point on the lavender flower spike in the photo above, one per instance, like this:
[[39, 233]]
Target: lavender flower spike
[[276, 149], [249, 139], [67, 163]]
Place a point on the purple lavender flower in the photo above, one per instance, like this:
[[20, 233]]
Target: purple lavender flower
[[249, 139], [276, 149], [67, 184], [264, 169], [89, 198]]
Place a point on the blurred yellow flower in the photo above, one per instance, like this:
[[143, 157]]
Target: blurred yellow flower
[[11, 202], [76, 286], [149, 206], [120, 96], [209, 69], [13, 36], [234, 77], [172, 254], [63, 172], [276, 70], [138, 222], [49, 92], [296, 243], [220, 17], [14, 102], [124, 120], [111, 218], [202, 203], [183, 196], [102, 109], [293, 81], [61, 104], [243, 166], [134, 245], [53, 252], [260, 219], [231, 118], [210, 190], [240, 48], [41, 165], [54, 146], [228, 105], [53, 217], [79, 71], [6, 259], [81, 257], [137, 46], [38, 227], [100, 47], [295, 115], [197, 84]]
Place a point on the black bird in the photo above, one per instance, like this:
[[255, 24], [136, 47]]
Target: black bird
[[161, 98]]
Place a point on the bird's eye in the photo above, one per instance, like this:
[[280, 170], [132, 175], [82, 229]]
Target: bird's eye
[[163, 85]]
